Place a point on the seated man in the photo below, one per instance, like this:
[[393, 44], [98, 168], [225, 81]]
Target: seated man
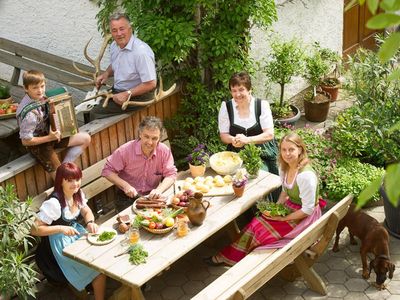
[[140, 167], [133, 68]]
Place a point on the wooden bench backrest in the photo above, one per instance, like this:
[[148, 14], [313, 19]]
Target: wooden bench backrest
[[259, 266], [55, 67], [92, 184]]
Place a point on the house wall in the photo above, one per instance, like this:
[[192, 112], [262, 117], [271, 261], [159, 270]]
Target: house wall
[[64, 27], [308, 20], [58, 27]]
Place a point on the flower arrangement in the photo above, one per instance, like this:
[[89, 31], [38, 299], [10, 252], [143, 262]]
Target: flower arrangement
[[199, 156], [240, 179]]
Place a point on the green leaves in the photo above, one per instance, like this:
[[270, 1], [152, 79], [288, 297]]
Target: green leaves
[[383, 20], [389, 47], [17, 275], [392, 183], [251, 156]]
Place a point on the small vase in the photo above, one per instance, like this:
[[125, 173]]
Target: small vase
[[238, 190], [197, 170]]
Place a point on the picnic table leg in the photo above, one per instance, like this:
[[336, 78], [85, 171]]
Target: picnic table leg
[[310, 276], [126, 292]]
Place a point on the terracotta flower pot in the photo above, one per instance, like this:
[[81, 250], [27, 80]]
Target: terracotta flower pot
[[197, 170], [317, 111], [332, 89], [238, 190]]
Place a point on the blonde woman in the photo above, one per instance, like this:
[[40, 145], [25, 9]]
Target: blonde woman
[[299, 193]]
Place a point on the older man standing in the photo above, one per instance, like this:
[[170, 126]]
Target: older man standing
[[133, 68], [140, 167]]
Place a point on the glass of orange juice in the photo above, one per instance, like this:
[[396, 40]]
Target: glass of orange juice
[[182, 228], [133, 235]]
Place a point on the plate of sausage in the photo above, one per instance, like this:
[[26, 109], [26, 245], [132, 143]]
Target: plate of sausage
[[146, 206]]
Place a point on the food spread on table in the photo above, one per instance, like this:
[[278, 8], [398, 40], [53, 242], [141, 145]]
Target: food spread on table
[[154, 215], [7, 110], [272, 209], [209, 186]]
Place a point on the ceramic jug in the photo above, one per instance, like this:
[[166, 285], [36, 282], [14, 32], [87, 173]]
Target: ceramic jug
[[197, 209]]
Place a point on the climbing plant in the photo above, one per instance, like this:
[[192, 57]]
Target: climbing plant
[[199, 43]]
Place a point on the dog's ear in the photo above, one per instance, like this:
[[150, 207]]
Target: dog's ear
[[372, 265], [391, 270]]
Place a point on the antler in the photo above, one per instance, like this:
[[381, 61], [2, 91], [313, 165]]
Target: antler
[[157, 96], [94, 62]]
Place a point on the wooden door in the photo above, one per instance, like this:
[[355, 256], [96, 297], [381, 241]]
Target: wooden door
[[355, 33]]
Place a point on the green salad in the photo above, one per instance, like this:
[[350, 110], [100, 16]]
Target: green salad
[[105, 236], [274, 209]]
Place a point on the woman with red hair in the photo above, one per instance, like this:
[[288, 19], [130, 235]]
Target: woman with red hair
[[57, 224]]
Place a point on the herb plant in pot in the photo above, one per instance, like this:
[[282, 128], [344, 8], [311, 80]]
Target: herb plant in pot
[[285, 60], [198, 160], [251, 156], [239, 182], [316, 104], [330, 82]]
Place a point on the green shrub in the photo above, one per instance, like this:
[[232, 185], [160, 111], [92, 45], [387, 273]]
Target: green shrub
[[17, 275], [351, 176], [363, 131]]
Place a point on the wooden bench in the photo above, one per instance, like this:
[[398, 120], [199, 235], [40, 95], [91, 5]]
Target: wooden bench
[[295, 259], [56, 68]]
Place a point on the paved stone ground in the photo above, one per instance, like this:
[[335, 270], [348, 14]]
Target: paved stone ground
[[341, 272]]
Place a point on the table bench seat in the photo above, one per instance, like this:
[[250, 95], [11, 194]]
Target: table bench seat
[[259, 266]]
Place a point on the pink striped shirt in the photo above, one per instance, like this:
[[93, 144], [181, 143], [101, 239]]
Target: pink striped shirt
[[141, 172]]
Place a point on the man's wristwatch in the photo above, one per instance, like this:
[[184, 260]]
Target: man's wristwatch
[[88, 222]]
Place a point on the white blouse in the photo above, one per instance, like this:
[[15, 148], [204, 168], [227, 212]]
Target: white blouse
[[307, 182], [266, 120], [50, 210]]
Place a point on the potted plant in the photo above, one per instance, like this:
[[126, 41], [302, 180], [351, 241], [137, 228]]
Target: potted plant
[[251, 156], [239, 182], [329, 83], [285, 60], [316, 104], [5, 96], [17, 276], [198, 160]]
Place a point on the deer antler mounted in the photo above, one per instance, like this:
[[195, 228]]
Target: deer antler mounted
[[94, 62], [157, 96]]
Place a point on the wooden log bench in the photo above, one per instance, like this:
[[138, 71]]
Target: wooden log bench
[[294, 260]]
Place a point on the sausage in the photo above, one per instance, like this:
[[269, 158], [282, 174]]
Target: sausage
[[141, 206]]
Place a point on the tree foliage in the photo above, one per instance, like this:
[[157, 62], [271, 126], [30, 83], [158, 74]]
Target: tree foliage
[[199, 43]]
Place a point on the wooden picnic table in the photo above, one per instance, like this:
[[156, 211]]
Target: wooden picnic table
[[164, 250]]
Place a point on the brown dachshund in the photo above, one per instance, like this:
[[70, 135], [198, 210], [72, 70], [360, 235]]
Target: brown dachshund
[[374, 239]]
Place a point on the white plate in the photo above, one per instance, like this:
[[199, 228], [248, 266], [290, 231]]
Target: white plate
[[92, 237]]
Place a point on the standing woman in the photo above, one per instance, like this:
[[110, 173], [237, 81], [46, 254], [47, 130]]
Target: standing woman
[[299, 194], [57, 224], [245, 119]]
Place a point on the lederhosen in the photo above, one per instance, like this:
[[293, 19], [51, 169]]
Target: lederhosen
[[269, 149], [44, 153]]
